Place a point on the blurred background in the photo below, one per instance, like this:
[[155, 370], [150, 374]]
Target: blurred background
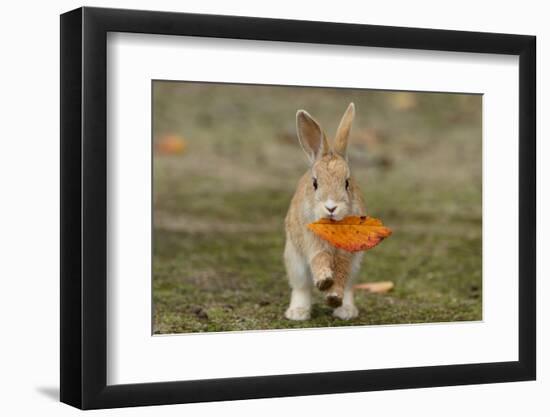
[[226, 163]]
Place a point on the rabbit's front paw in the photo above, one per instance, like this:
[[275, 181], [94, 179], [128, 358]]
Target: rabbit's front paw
[[323, 279], [334, 299], [346, 312], [297, 313]]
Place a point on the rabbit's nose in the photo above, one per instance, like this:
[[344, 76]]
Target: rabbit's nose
[[331, 209]]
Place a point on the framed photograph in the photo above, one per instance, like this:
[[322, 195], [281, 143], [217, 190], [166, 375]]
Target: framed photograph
[[259, 208]]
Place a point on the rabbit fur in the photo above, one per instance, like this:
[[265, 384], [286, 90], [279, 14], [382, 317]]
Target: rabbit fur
[[326, 190]]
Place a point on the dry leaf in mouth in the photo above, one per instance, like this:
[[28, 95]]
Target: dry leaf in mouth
[[353, 233]]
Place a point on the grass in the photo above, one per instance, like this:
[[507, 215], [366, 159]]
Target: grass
[[219, 207]]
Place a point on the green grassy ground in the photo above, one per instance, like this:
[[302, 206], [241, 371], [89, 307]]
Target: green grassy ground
[[219, 206]]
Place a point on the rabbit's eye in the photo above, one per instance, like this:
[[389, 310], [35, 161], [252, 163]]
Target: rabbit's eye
[[347, 184], [315, 183]]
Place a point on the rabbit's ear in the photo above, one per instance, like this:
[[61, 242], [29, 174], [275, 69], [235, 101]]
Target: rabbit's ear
[[342, 134], [311, 136]]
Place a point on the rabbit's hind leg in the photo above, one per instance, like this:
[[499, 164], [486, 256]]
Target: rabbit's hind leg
[[300, 282]]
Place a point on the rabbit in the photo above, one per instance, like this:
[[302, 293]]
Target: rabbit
[[326, 190]]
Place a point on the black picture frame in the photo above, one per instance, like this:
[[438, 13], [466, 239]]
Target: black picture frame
[[84, 207]]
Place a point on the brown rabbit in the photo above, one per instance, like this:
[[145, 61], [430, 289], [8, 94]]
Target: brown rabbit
[[328, 190]]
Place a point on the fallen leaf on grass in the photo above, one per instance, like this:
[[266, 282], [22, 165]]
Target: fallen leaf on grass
[[171, 144], [381, 287], [352, 233]]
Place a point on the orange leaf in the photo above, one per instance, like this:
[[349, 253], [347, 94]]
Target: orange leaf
[[376, 287], [171, 144], [352, 233]]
